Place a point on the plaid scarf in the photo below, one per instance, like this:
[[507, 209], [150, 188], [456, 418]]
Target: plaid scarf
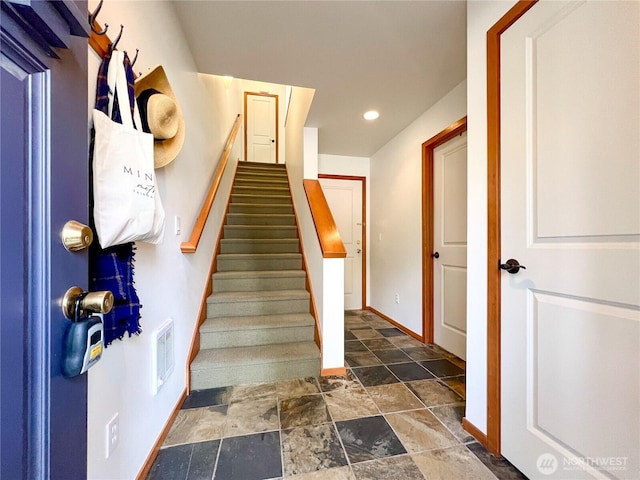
[[112, 268]]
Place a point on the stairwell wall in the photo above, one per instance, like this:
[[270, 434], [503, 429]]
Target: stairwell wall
[[170, 284], [326, 276]]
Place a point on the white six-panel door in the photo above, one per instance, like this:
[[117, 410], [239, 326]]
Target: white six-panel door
[[344, 197], [450, 243], [261, 128], [570, 183]]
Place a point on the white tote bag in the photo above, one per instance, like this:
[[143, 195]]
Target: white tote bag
[[124, 184]]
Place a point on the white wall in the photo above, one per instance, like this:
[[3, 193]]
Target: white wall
[[396, 212], [326, 275], [357, 167], [169, 283], [481, 15]]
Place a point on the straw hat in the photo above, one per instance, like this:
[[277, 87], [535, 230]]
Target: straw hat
[[161, 115]]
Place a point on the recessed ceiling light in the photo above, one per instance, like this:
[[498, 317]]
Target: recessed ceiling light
[[371, 115]]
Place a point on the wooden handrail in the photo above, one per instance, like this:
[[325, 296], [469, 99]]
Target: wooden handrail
[[330, 240], [192, 245]]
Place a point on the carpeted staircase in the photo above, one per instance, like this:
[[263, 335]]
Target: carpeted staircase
[[258, 326]]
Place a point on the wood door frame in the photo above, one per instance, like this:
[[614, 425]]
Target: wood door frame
[[363, 180], [261, 94], [428, 148], [493, 221]]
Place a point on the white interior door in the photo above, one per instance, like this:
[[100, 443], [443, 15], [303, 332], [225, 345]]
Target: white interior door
[[450, 243], [261, 118], [570, 183], [345, 201]]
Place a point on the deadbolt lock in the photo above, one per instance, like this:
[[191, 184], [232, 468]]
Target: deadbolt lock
[[78, 304], [76, 236]]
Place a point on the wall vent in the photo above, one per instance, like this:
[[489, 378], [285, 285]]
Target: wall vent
[[163, 354]]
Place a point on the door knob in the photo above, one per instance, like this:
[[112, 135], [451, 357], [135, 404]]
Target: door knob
[[435, 255], [273, 140], [76, 236], [358, 251], [77, 303], [512, 266]]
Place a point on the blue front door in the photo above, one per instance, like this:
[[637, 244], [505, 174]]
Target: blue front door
[[43, 184]]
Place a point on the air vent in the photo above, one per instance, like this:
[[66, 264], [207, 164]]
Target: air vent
[[163, 355]]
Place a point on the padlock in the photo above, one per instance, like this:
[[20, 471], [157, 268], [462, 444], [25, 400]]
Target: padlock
[[84, 337], [84, 342]]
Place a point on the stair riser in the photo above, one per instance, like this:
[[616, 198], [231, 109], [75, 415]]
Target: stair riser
[[257, 219], [257, 263], [224, 376], [261, 199], [235, 231], [259, 247], [236, 309], [249, 190], [243, 338], [261, 209], [261, 182], [261, 167], [257, 284], [262, 175]]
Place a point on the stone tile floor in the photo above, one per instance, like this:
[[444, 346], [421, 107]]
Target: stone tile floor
[[395, 415]]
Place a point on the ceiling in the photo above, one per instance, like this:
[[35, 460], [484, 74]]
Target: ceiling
[[397, 57]]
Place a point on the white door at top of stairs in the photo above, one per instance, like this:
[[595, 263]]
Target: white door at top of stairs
[[261, 132]]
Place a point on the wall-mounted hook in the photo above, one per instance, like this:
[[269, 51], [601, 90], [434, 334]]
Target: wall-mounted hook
[[112, 47], [92, 20], [135, 59]]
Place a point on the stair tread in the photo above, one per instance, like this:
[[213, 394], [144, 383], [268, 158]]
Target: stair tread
[[261, 205], [259, 240], [264, 227], [220, 358], [254, 322], [259, 274], [260, 255], [259, 215], [260, 295]]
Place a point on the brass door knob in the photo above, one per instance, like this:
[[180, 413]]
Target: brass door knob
[[77, 304]]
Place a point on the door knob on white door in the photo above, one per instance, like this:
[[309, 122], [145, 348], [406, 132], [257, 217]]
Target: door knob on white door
[[512, 266]]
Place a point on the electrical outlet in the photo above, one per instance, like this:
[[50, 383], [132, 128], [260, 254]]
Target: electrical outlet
[[397, 298], [112, 434]]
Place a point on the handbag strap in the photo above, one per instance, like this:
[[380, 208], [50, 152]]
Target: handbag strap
[[120, 83]]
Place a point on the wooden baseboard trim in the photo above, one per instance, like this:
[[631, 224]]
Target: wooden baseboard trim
[[396, 324], [163, 434], [474, 431], [325, 372]]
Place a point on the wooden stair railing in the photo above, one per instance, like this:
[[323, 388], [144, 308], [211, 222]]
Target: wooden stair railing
[[328, 235], [191, 245]]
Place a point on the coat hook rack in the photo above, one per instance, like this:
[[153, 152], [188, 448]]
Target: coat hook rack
[[112, 47], [92, 20]]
